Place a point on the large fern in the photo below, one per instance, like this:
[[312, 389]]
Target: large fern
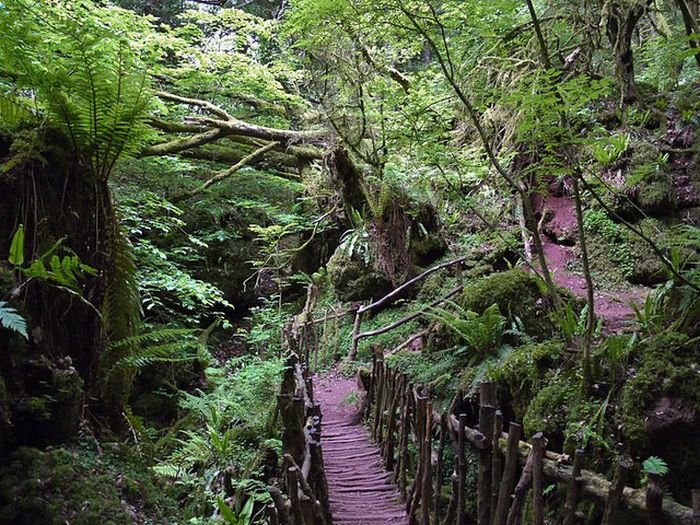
[[76, 59], [12, 320]]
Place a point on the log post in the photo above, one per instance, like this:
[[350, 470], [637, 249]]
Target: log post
[[509, 473], [427, 447], [461, 470], [696, 506], [282, 505], [487, 409], [615, 495], [403, 445], [439, 468], [452, 508], [654, 500], [538, 443], [391, 421], [574, 491], [378, 393], [520, 493], [355, 333], [496, 458], [271, 512], [293, 489]]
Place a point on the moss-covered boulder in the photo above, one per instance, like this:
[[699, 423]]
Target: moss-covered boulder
[[81, 487], [560, 411], [517, 294], [661, 407], [354, 279], [648, 185], [521, 375]]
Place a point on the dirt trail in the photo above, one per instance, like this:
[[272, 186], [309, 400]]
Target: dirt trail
[[360, 490], [557, 241]]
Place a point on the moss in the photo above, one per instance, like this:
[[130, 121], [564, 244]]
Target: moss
[[80, 487], [524, 372], [561, 413], [353, 279], [516, 293], [667, 368]]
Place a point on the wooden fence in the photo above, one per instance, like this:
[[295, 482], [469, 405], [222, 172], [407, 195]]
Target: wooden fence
[[306, 499], [414, 440]]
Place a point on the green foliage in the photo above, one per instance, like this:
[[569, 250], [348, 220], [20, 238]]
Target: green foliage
[[231, 428], [12, 320], [78, 61], [482, 333], [167, 345], [607, 152], [16, 257], [655, 465]]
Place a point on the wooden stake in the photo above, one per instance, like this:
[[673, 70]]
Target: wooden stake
[[696, 506], [654, 500], [509, 473], [487, 409], [438, 469], [461, 471], [293, 488], [574, 491], [538, 443], [355, 333], [427, 449], [520, 493], [496, 458], [615, 494]]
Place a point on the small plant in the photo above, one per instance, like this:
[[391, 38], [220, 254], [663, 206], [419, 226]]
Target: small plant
[[482, 333], [351, 399], [609, 151], [653, 466], [12, 320]]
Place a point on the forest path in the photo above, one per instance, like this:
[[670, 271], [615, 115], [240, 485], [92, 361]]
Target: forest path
[[360, 489]]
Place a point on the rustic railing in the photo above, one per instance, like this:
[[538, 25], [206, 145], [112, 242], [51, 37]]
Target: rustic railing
[[306, 499], [403, 422]]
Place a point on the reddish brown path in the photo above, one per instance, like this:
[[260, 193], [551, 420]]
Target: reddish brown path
[[360, 490]]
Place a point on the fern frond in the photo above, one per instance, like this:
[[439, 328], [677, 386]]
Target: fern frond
[[12, 320]]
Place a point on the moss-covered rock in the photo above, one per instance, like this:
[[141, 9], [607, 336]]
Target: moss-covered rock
[[563, 414], [648, 185], [80, 487], [353, 279], [517, 294], [661, 408], [524, 372]]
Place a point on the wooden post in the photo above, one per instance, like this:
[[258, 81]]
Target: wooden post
[[538, 443], [574, 491], [272, 514], [496, 458], [520, 493], [487, 409], [654, 500], [391, 421], [379, 391], [461, 470], [696, 506], [509, 473], [403, 445], [355, 332], [615, 495], [427, 489], [293, 488], [438, 469]]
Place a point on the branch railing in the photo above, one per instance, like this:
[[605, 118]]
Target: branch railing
[[413, 438], [306, 500]]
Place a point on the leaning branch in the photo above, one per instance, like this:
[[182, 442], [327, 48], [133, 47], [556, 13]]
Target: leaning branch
[[226, 174]]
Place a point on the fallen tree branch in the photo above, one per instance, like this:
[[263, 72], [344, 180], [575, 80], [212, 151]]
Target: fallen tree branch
[[226, 174]]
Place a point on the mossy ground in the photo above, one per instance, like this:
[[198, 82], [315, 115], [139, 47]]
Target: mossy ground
[[82, 485]]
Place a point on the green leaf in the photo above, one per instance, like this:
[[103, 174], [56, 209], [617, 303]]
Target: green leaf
[[12, 320], [226, 512], [17, 247], [655, 465]]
